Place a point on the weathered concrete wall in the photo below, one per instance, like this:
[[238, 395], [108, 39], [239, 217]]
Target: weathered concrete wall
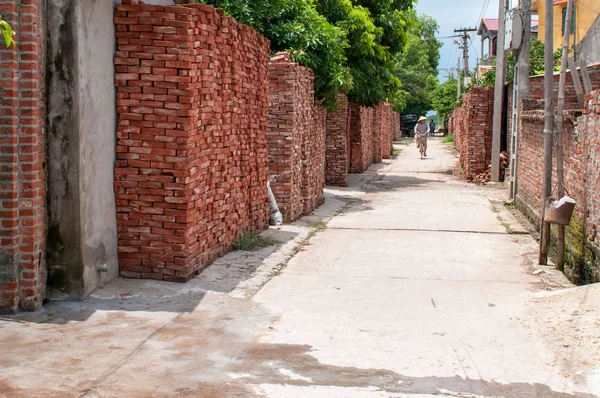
[[589, 47], [81, 147], [22, 156]]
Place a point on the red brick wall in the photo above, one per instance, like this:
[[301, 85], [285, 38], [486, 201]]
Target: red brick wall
[[338, 144], [191, 174], [581, 164], [471, 125], [536, 92], [22, 153], [296, 139], [361, 138]]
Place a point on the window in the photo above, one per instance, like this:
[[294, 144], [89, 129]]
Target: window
[[564, 20]]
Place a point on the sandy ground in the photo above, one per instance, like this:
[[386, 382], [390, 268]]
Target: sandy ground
[[420, 285]]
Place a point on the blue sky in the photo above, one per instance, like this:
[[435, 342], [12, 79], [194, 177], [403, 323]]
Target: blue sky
[[454, 14]]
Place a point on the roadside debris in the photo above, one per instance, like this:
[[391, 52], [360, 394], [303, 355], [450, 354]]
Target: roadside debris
[[485, 177]]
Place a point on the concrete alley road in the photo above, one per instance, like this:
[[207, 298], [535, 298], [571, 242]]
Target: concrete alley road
[[415, 288]]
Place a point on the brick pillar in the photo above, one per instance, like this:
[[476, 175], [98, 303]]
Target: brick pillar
[[377, 133], [361, 136], [296, 137], [337, 145], [22, 186]]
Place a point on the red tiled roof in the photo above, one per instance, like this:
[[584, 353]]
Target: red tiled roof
[[491, 23]]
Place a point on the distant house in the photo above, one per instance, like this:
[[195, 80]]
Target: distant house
[[488, 30], [584, 14]]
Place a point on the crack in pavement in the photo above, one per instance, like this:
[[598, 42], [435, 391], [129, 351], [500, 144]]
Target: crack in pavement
[[455, 231]]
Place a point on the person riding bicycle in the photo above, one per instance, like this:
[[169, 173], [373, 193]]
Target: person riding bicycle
[[421, 132]]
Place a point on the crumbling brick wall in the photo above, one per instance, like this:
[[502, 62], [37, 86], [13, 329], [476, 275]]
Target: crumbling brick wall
[[471, 125], [361, 138], [581, 165], [296, 138], [22, 143], [338, 144], [191, 174]]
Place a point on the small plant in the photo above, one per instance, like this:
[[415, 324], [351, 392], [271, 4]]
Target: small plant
[[449, 139], [396, 153], [7, 32], [252, 242]]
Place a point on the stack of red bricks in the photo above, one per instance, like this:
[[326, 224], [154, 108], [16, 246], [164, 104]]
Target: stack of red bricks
[[386, 126], [361, 138], [338, 144], [396, 126], [378, 133], [296, 138], [22, 154], [473, 130], [191, 174]]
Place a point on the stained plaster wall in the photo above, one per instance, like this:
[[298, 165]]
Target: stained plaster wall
[[82, 227]]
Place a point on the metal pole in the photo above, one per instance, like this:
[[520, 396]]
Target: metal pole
[[548, 130], [499, 92], [560, 122]]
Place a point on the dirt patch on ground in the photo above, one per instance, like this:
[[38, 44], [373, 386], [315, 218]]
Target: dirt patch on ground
[[567, 322]]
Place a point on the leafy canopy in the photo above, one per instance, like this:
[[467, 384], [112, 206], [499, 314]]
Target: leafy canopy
[[444, 97], [297, 27], [417, 67], [353, 46]]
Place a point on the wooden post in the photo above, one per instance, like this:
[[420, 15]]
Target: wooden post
[[499, 92], [576, 82], [587, 83], [548, 130], [560, 123]]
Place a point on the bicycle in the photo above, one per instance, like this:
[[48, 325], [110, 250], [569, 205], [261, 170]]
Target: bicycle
[[421, 147]]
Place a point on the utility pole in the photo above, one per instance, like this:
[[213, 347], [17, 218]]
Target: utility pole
[[520, 92], [548, 130], [465, 46], [499, 91], [458, 81], [560, 121]]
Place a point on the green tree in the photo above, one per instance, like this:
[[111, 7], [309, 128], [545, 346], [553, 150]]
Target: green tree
[[7, 33], [376, 32], [444, 97], [417, 67], [297, 27], [536, 64]]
